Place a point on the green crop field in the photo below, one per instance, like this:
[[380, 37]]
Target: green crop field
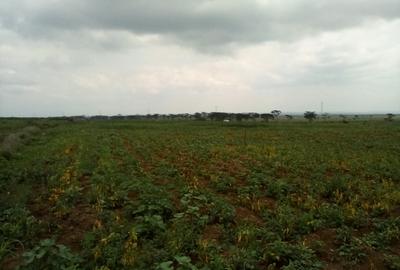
[[200, 195]]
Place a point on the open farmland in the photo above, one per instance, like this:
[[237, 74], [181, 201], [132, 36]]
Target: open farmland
[[202, 195]]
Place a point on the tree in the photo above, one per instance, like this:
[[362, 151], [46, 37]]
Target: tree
[[218, 116], [267, 116], [254, 116], [325, 116], [198, 116], [276, 113], [389, 117], [344, 118], [310, 116], [289, 117], [242, 116]]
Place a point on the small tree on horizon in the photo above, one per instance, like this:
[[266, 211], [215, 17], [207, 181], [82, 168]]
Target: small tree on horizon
[[389, 117], [267, 116], [310, 116], [276, 113], [344, 118], [325, 116]]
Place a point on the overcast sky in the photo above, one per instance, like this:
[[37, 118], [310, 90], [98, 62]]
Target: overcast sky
[[150, 56]]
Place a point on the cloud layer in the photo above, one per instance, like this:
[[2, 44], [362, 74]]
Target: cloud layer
[[101, 56], [199, 23]]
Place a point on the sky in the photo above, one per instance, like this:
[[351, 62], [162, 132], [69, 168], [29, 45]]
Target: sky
[[175, 56]]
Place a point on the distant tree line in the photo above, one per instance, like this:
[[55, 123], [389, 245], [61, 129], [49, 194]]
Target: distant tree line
[[199, 116], [274, 115]]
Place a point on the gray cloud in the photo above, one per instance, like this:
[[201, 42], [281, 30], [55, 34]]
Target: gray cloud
[[197, 23]]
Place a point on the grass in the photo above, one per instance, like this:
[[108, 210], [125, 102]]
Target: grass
[[202, 195]]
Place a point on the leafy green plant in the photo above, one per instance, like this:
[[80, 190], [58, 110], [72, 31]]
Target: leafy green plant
[[392, 262], [17, 229], [148, 226], [17, 223], [352, 249], [48, 255], [331, 215], [115, 248], [179, 263], [223, 183], [278, 188], [283, 255], [385, 233], [4, 248], [244, 258]]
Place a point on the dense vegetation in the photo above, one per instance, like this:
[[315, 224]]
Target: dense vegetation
[[201, 195]]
